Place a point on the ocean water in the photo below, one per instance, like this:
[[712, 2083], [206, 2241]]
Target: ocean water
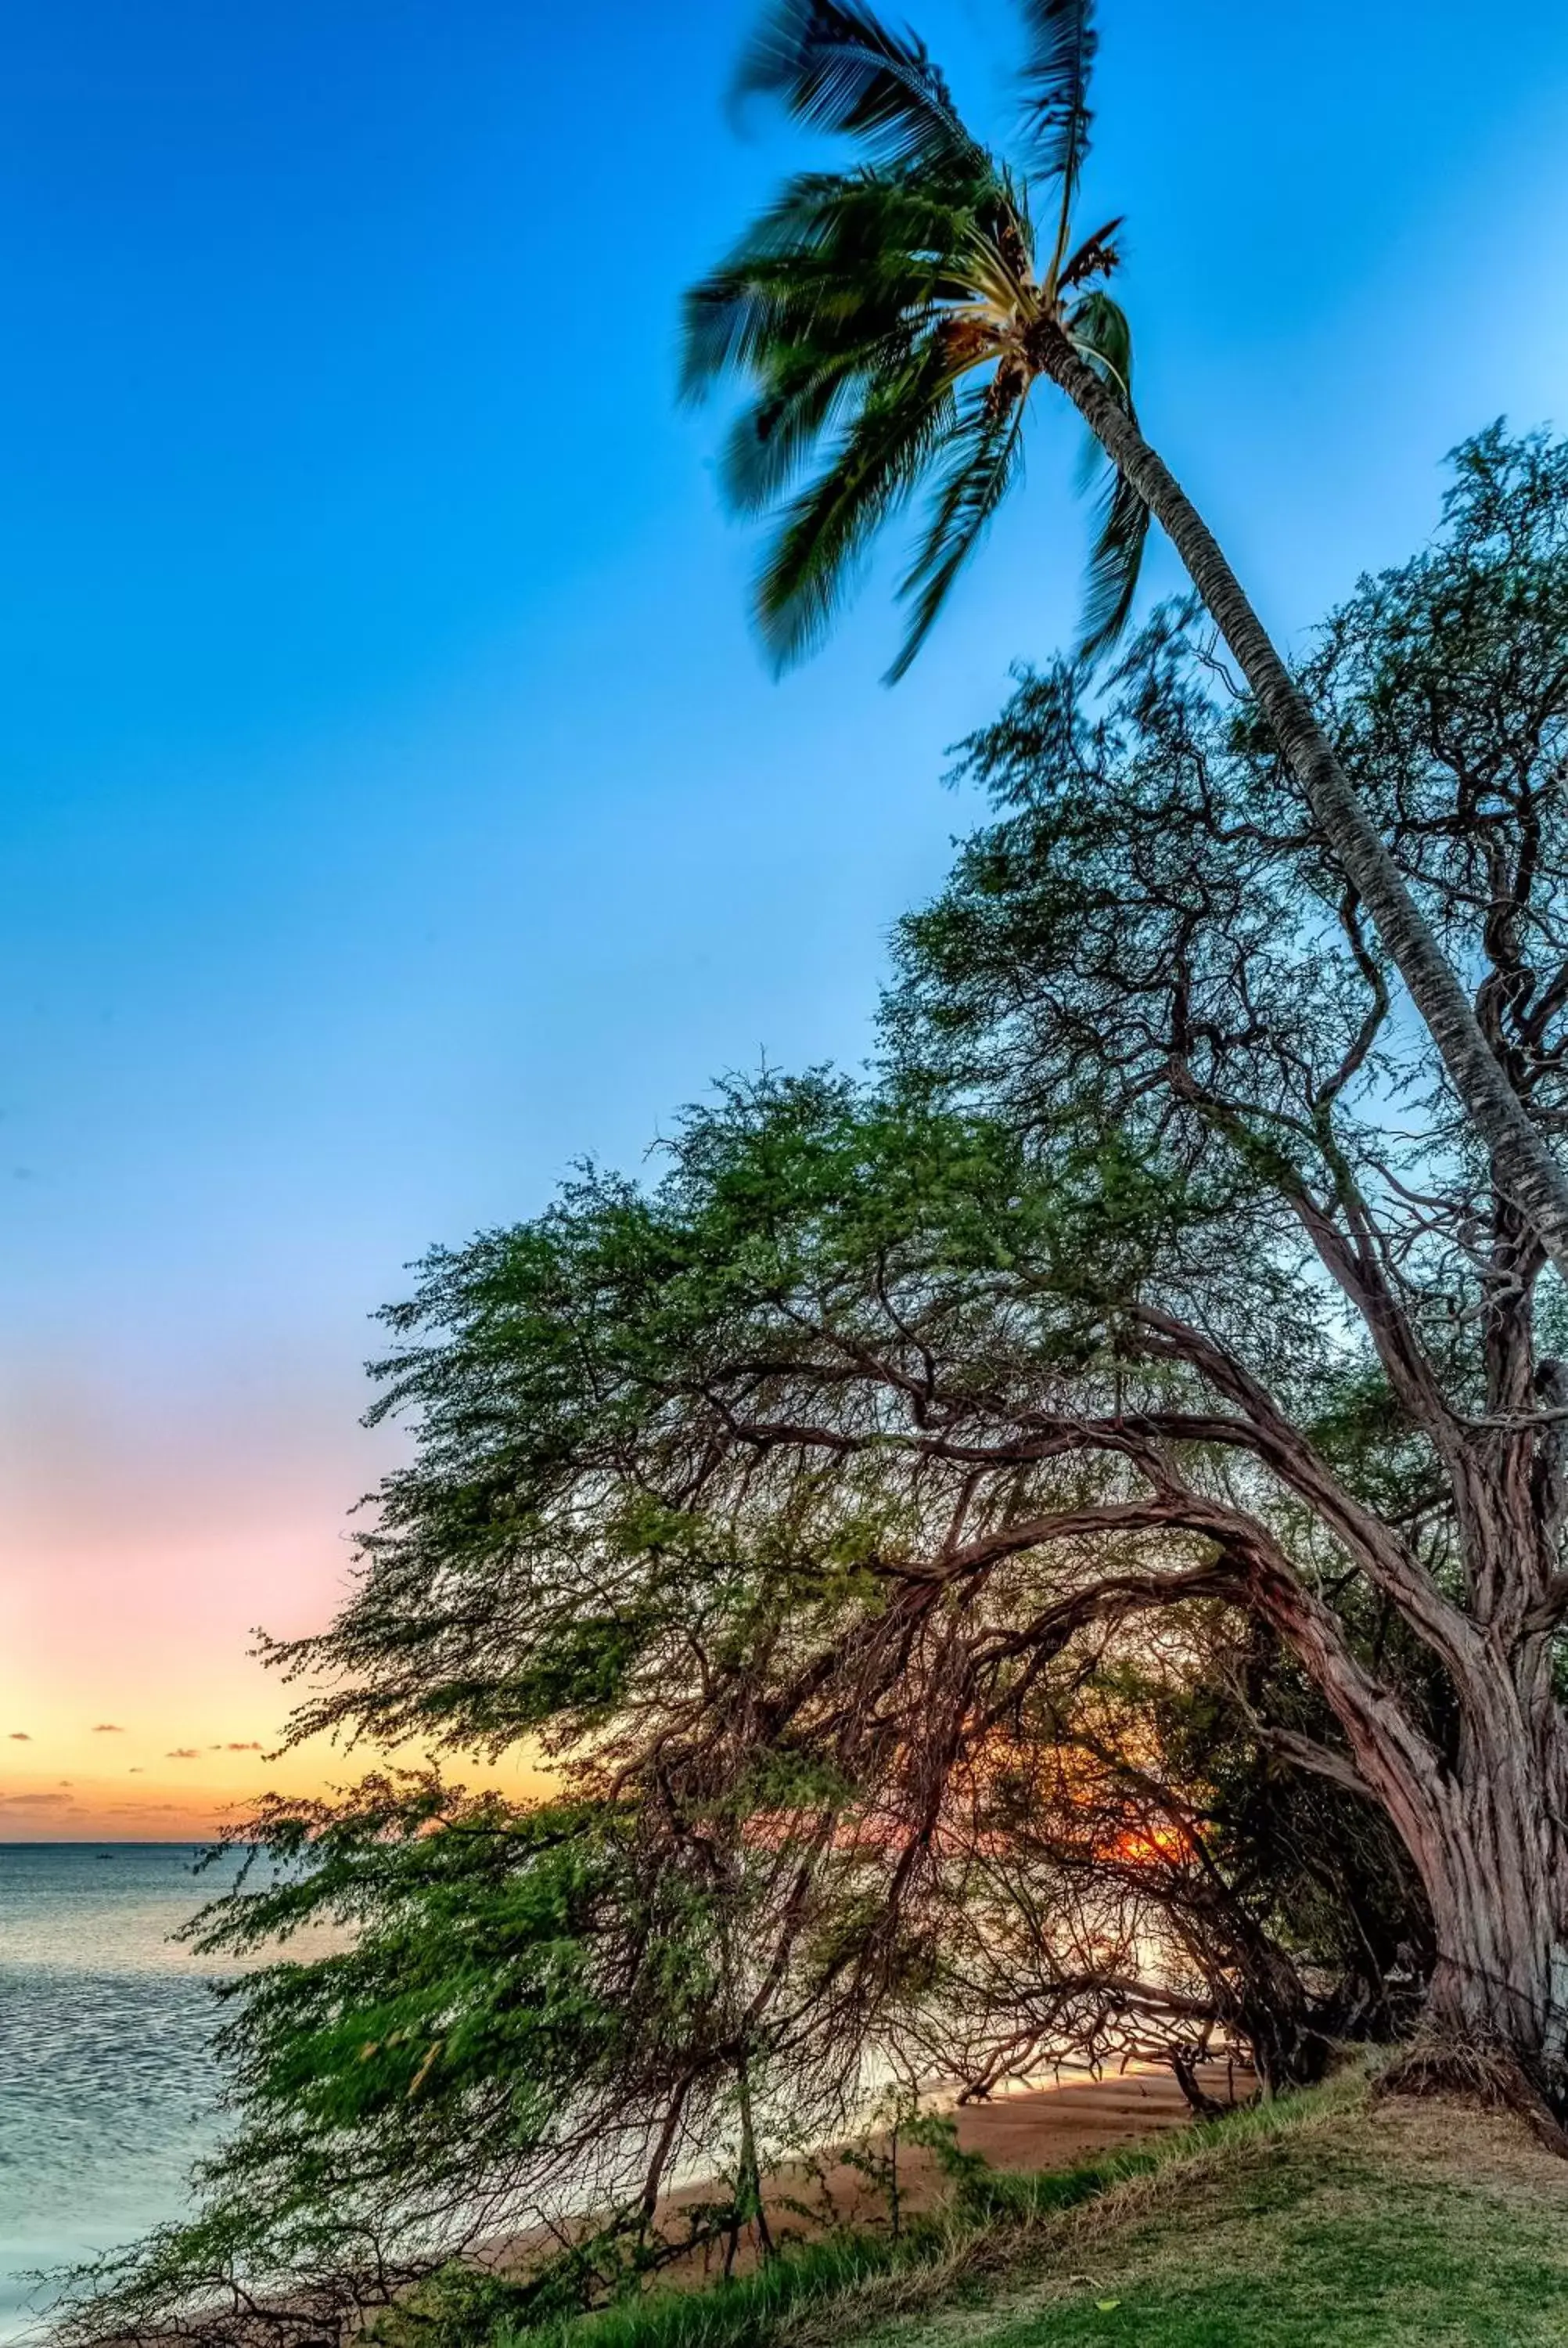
[[108, 2086]]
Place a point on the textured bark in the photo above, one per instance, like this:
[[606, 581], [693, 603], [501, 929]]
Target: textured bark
[[1496, 1873], [1526, 1170], [1486, 1826], [1488, 1833], [1488, 1843]]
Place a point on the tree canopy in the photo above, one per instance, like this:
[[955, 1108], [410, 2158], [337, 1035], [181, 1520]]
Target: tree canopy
[[1054, 1543], [890, 319], [893, 322]]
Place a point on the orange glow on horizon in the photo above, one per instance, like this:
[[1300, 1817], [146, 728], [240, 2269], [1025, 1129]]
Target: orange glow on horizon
[[138, 1550]]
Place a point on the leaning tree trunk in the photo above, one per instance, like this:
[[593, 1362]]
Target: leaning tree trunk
[[1526, 1170], [1484, 1815], [1501, 1973], [1495, 1869], [1488, 1832]]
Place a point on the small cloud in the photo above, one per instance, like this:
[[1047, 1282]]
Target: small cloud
[[140, 1809], [183, 1753], [36, 1802], [135, 1770], [108, 1728], [254, 1746], [66, 1781], [20, 1736]]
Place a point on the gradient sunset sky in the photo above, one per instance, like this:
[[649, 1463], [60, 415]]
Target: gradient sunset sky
[[394, 805]]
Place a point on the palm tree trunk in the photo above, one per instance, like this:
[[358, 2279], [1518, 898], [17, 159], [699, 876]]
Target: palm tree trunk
[[1524, 1168]]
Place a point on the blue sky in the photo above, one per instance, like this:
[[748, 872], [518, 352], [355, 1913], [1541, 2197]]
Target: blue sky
[[392, 806]]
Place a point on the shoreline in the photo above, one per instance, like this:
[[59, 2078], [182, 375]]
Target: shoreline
[[1019, 2127]]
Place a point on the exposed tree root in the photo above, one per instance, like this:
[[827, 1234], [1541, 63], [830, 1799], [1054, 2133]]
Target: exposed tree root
[[1479, 2070]]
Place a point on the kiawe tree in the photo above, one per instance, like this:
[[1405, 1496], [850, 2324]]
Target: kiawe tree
[[894, 321], [823, 1509], [1132, 942]]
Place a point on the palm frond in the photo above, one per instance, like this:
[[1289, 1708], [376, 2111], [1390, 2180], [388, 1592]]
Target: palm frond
[[902, 422], [806, 394], [986, 459], [837, 67], [1098, 328], [837, 263], [854, 309], [1059, 63], [1115, 562]]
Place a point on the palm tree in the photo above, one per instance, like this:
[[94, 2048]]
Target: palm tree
[[893, 320]]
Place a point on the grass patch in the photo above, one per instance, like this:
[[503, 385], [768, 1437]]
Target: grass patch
[[837, 2270], [1323, 2222], [1370, 2232], [839, 2289]]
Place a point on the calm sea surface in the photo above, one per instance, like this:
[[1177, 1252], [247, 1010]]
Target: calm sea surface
[[108, 2086]]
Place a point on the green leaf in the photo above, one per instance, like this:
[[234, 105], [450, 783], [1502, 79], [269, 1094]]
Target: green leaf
[[901, 426], [835, 65], [1099, 328], [985, 457], [1056, 74]]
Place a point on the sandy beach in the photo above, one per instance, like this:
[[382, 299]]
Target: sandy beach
[[1039, 2128]]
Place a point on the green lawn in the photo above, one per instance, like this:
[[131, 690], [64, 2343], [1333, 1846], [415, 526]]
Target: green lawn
[[1363, 2236], [1331, 2221]]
